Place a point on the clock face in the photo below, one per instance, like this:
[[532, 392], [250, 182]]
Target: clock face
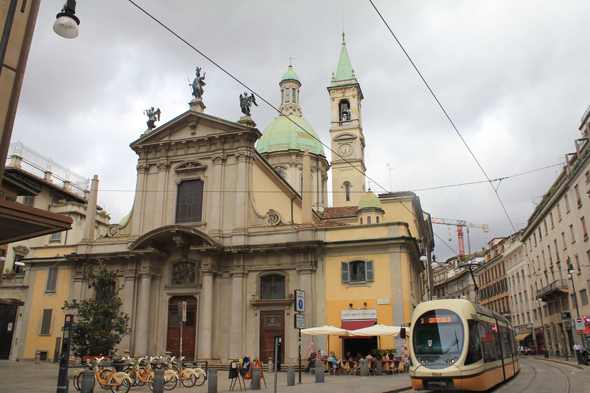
[[345, 150]]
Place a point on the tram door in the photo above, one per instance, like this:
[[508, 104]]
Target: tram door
[[189, 329], [272, 324]]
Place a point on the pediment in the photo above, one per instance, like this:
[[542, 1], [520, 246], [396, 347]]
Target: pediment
[[345, 136], [191, 126], [190, 165]]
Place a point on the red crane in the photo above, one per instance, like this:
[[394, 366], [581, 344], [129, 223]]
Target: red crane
[[460, 224]]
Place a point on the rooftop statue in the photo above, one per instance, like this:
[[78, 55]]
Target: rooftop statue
[[246, 102], [198, 84], [153, 116]]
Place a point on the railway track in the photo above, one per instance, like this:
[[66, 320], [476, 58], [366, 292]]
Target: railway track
[[522, 382]]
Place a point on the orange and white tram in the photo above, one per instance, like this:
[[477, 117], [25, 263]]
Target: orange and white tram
[[459, 345]]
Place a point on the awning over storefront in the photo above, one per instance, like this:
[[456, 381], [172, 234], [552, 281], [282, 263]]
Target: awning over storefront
[[522, 336], [356, 324]]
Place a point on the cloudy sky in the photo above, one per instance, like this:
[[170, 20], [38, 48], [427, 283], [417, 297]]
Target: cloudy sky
[[513, 77]]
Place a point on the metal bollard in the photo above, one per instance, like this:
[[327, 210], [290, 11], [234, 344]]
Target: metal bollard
[[256, 378], [379, 369], [319, 372], [158, 383], [212, 378], [87, 382], [290, 375], [364, 368]]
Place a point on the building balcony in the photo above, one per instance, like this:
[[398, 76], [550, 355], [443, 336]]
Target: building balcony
[[557, 288]]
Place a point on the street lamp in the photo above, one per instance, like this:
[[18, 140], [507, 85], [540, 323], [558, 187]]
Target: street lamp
[[571, 276], [66, 23], [545, 352]]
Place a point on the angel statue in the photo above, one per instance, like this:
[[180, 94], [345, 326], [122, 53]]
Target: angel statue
[[153, 116], [246, 102], [198, 84]]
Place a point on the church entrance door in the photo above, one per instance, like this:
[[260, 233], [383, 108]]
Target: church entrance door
[[272, 324], [189, 329]]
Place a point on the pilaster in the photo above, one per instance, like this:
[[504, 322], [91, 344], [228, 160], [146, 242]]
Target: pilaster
[[137, 217]]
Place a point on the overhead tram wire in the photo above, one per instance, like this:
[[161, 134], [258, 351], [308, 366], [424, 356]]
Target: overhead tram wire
[[447, 116], [269, 104]]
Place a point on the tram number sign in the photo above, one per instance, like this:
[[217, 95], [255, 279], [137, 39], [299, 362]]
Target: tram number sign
[[580, 325], [299, 300]]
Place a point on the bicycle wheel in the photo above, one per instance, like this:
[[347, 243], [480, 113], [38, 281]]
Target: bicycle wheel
[[142, 376], [77, 381], [200, 380], [123, 387], [103, 377], [170, 383], [132, 375], [189, 382]]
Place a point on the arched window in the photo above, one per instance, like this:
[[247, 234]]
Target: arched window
[[368, 219], [282, 174], [189, 201], [347, 189], [272, 287], [377, 218]]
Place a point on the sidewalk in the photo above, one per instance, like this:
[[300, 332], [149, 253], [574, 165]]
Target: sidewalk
[[572, 361], [27, 377]]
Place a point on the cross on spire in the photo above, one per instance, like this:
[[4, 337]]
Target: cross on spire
[[290, 58]]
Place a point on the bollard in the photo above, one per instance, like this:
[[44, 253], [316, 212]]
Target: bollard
[[87, 382], [256, 378], [379, 369], [158, 384], [290, 375], [364, 368], [271, 366], [319, 372], [212, 378], [37, 357]]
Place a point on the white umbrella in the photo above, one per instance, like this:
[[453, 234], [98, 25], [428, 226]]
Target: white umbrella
[[326, 330], [377, 330]]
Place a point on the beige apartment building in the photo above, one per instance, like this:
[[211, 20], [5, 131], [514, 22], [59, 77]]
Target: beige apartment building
[[557, 244]]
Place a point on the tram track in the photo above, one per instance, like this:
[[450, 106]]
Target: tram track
[[535, 374]]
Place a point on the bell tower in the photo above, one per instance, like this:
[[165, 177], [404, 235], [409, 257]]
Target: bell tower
[[346, 134]]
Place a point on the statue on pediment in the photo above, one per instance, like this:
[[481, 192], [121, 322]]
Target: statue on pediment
[[198, 84], [246, 102], [153, 116]]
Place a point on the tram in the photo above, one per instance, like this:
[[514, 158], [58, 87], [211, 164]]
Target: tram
[[456, 344]]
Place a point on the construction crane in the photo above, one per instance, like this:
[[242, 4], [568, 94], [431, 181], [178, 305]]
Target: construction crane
[[460, 224]]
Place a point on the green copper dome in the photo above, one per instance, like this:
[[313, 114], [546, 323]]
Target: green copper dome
[[370, 201], [283, 135], [290, 75]]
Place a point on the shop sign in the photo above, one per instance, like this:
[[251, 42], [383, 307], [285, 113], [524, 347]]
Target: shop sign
[[359, 314]]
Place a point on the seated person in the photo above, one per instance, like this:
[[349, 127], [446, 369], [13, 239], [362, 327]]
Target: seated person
[[311, 360], [335, 362], [348, 356], [369, 358]]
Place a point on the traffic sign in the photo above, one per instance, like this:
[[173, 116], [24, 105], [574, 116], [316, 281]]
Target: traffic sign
[[299, 300], [580, 325], [299, 321]]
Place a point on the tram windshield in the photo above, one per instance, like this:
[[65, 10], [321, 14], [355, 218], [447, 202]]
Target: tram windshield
[[438, 337]]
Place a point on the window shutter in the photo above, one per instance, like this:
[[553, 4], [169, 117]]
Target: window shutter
[[369, 269], [46, 323], [51, 279], [344, 269]]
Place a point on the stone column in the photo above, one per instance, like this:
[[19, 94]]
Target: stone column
[[143, 316], [161, 194], [244, 157], [88, 234], [206, 316], [235, 315], [127, 307], [142, 169], [216, 195]]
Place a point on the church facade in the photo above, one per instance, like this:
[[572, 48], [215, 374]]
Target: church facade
[[232, 220]]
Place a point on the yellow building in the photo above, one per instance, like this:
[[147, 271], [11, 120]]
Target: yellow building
[[232, 221]]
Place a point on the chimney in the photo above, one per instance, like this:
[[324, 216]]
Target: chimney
[[307, 212], [88, 235]]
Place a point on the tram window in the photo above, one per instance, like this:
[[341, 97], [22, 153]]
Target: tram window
[[474, 348], [505, 344], [489, 340], [438, 332]]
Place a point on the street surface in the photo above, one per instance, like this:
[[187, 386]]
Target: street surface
[[535, 376]]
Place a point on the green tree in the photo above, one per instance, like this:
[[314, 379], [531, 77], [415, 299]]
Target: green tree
[[99, 325]]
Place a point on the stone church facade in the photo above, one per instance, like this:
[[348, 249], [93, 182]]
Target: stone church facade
[[232, 221]]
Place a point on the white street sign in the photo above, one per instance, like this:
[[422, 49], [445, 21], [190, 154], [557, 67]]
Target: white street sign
[[299, 300], [580, 324]]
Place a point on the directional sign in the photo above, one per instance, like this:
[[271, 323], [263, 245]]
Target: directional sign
[[299, 300], [580, 324]]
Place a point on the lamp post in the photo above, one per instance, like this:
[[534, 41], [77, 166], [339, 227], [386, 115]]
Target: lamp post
[[571, 277], [66, 23], [545, 352]]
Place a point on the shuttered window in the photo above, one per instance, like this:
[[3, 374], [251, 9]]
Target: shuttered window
[[272, 287], [357, 271], [46, 322], [189, 202], [52, 279]]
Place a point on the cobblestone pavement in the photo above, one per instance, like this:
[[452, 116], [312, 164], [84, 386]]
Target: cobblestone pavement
[[537, 375]]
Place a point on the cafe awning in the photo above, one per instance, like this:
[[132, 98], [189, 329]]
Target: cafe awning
[[522, 336], [356, 324]]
